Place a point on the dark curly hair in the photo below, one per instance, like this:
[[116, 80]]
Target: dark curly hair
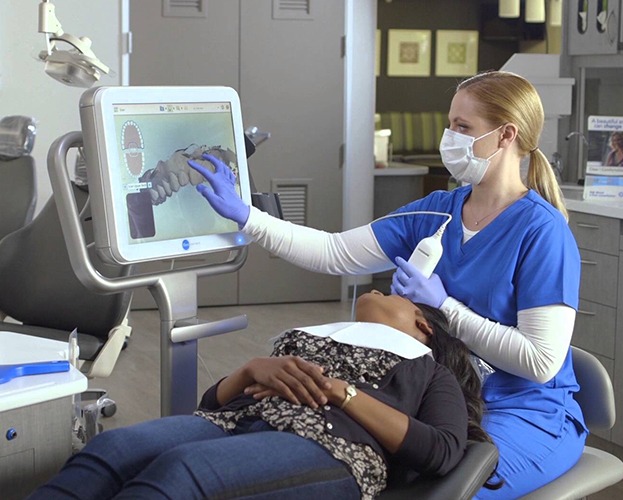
[[454, 355]]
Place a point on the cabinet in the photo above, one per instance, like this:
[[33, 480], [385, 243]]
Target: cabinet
[[41, 445], [288, 66], [593, 27], [599, 322], [617, 430]]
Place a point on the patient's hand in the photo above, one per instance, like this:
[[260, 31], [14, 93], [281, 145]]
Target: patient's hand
[[289, 377]]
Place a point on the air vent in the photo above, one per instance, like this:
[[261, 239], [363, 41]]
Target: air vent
[[300, 10], [293, 195], [184, 8]]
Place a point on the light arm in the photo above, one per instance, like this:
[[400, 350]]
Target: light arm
[[78, 67]]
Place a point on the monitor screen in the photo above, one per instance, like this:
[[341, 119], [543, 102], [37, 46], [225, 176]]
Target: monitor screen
[[137, 142]]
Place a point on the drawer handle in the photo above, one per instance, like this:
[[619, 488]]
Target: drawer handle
[[586, 313], [588, 262], [587, 226]]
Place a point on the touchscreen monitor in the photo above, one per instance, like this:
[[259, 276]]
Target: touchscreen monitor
[[137, 143]]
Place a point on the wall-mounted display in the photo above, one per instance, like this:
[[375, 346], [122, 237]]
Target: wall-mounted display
[[456, 53], [408, 52]]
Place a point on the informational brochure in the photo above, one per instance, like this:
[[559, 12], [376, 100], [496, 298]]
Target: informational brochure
[[604, 166]]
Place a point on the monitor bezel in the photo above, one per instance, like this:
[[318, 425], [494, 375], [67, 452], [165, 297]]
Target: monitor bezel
[[111, 231]]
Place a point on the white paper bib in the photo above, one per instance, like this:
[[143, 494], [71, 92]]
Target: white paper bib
[[372, 335]]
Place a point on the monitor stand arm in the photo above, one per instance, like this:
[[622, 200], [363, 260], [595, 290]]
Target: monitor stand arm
[[175, 291]]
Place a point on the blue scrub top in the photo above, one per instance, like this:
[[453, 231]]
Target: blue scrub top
[[526, 257]]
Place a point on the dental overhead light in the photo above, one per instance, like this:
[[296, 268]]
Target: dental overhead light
[[78, 66]]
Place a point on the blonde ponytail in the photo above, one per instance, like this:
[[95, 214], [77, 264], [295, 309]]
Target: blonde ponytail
[[541, 178], [505, 97]]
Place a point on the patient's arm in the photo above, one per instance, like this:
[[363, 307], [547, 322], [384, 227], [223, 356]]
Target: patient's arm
[[432, 439], [291, 377], [355, 251], [535, 349], [387, 425]]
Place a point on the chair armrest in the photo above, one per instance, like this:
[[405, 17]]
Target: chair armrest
[[104, 363], [460, 483]]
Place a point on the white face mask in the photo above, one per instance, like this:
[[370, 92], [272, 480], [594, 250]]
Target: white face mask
[[457, 155]]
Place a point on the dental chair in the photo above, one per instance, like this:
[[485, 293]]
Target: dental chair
[[461, 483], [596, 469], [39, 290], [18, 194]]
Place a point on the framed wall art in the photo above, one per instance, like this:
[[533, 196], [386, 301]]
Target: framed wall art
[[408, 52], [456, 52]]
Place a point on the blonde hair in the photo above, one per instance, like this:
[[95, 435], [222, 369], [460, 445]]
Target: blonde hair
[[505, 97], [616, 140]]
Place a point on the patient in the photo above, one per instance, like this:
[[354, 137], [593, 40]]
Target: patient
[[334, 412]]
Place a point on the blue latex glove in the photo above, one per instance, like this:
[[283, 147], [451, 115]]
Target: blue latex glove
[[410, 283], [223, 196]]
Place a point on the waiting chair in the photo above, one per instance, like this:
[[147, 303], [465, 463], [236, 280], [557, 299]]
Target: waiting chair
[[18, 193], [596, 469], [40, 290]]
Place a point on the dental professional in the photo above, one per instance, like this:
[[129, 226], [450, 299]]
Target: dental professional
[[508, 279]]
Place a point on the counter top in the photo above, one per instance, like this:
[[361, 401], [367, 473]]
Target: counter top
[[614, 210], [396, 168], [574, 201], [32, 389]]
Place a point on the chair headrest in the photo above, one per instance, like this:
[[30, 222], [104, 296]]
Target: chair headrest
[[17, 136]]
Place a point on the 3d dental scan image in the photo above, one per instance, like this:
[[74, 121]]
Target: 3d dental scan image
[[139, 144]]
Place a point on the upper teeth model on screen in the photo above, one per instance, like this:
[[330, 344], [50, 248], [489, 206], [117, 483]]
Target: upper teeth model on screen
[[174, 173]]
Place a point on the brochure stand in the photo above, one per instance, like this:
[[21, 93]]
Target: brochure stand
[[604, 166]]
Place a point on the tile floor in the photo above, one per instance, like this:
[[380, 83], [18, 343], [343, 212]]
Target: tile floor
[[135, 383]]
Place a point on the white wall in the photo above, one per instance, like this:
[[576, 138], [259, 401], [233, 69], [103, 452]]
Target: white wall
[[24, 87]]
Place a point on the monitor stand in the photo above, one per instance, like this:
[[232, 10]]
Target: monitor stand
[[175, 292]]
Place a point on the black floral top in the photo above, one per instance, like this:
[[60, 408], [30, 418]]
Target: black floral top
[[353, 364]]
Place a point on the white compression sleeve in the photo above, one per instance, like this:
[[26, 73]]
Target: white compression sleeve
[[355, 251], [534, 350]]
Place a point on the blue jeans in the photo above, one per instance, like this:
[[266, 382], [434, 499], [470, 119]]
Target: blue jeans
[[188, 457]]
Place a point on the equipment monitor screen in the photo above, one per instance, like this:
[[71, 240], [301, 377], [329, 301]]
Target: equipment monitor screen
[[137, 143]]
